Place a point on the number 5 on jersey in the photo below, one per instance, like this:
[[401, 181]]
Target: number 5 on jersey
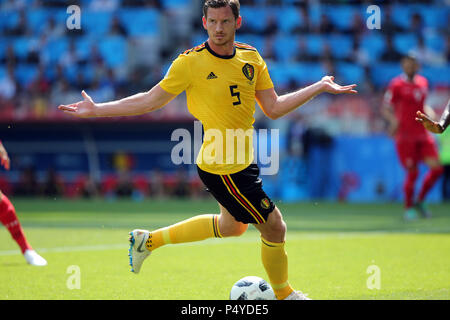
[[236, 94]]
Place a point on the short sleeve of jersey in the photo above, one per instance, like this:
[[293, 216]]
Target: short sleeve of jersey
[[390, 94], [178, 77], [263, 82]]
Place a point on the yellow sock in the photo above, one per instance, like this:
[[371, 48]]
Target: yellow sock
[[194, 229], [275, 262]]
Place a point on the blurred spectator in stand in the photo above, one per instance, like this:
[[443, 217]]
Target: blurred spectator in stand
[[305, 24], [271, 26], [81, 83], [102, 90], [40, 91], [53, 185], [20, 28], [269, 49], [54, 30], [390, 54], [157, 183], [103, 5], [358, 54], [27, 185], [426, 56], [10, 57], [40, 86], [388, 25], [358, 27], [117, 28], [124, 184], [327, 54], [12, 5], [417, 25], [36, 54], [303, 55], [8, 86], [325, 25], [181, 188], [62, 91], [71, 58]]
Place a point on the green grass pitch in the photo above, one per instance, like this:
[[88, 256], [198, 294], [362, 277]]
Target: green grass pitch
[[331, 247]]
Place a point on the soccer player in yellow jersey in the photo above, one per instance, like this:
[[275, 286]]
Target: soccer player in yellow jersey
[[222, 79]]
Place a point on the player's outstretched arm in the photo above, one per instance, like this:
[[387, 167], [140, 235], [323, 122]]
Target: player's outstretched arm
[[275, 106], [434, 126], [136, 104], [4, 159]]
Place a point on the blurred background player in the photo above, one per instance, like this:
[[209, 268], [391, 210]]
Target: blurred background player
[[405, 96], [9, 219]]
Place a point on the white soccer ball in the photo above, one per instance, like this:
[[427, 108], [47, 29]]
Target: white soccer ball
[[252, 288]]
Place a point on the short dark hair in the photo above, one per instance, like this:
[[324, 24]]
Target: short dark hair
[[233, 4]]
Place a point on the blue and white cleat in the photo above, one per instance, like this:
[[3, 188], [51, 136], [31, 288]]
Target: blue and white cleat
[[138, 252]]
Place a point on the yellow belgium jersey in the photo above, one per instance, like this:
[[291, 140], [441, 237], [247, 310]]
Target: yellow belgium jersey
[[220, 93]]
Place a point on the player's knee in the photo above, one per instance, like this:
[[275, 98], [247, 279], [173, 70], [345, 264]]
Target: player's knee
[[275, 231], [233, 230]]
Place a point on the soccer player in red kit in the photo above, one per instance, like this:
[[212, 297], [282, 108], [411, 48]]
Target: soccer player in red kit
[[405, 96], [9, 219]]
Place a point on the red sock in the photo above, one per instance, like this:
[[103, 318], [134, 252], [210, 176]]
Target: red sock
[[408, 187], [430, 179], [9, 219]]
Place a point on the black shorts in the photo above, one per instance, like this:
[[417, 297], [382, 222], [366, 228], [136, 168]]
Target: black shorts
[[240, 193]]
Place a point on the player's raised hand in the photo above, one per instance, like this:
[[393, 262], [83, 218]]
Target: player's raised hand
[[428, 123], [83, 109], [4, 159], [328, 85]]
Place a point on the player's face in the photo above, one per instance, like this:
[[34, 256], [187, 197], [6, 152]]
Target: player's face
[[409, 67], [221, 25]]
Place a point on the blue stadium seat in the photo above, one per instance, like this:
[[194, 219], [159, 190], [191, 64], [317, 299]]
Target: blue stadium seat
[[401, 15], [341, 45], [382, 73], [37, 19], [341, 16], [169, 4], [288, 19], [435, 41], [404, 43], [350, 72], [55, 49], [255, 17], [286, 47], [96, 22], [279, 73], [25, 73], [306, 73], [8, 18], [437, 76], [113, 50], [83, 46], [140, 22], [21, 46], [3, 46], [252, 40], [374, 44], [314, 44]]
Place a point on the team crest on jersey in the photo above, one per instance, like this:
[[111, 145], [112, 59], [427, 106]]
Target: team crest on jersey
[[265, 203], [249, 71]]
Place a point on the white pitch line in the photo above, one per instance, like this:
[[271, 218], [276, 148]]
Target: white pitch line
[[307, 236]]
